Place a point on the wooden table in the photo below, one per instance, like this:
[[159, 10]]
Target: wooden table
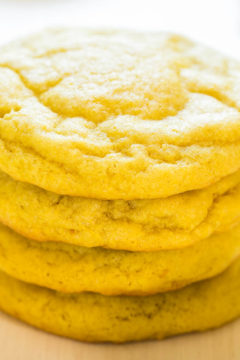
[[21, 342], [214, 22]]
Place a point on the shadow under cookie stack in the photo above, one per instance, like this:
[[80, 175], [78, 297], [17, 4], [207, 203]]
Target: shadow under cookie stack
[[119, 184]]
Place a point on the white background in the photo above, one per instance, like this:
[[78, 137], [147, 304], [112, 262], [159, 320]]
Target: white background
[[215, 22]]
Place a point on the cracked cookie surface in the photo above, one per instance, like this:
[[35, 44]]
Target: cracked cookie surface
[[136, 225], [117, 115], [93, 317]]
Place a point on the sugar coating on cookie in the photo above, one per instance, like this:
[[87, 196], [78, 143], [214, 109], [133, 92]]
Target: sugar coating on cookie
[[116, 114]]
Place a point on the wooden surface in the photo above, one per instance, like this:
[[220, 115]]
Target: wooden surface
[[21, 342], [214, 22]]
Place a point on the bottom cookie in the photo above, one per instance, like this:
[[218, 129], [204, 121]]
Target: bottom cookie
[[94, 317]]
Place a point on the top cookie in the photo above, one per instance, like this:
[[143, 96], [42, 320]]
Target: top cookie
[[117, 115]]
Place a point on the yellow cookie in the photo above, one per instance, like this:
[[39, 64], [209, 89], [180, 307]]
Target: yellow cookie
[[69, 268], [138, 225], [116, 114], [93, 317]]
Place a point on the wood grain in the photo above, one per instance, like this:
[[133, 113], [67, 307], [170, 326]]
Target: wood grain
[[21, 342]]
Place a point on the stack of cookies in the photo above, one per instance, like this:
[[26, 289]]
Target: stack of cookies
[[119, 184]]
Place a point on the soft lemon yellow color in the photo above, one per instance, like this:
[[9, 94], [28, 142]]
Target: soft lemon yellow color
[[93, 317], [116, 114], [69, 268], [138, 225]]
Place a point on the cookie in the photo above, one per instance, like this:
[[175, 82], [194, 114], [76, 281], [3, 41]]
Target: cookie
[[139, 225], [116, 114], [69, 268], [93, 317]]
